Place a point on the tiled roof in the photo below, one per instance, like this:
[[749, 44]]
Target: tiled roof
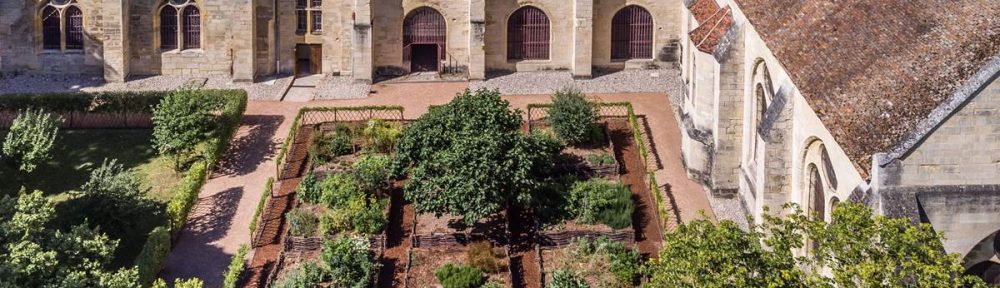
[[710, 32], [872, 70]]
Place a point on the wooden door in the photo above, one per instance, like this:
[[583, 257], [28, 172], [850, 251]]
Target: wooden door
[[316, 59]]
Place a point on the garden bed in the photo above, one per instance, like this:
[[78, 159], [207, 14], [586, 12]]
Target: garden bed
[[425, 261]]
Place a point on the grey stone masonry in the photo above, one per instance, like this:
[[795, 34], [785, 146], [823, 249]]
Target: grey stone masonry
[[729, 120]]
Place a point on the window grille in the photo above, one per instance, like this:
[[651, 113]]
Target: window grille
[[528, 35], [632, 34], [51, 33], [317, 21], [168, 28], [192, 28]]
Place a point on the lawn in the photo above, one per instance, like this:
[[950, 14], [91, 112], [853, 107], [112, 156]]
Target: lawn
[[75, 154]]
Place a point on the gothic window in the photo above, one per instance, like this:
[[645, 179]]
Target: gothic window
[[180, 25], [74, 28], [168, 28], [192, 27], [51, 31], [632, 34], [528, 35]]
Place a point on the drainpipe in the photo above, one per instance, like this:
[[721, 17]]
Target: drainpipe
[[277, 46]]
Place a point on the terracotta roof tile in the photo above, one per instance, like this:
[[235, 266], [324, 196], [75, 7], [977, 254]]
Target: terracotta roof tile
[[873, 70], [709, 33], [703, 9]]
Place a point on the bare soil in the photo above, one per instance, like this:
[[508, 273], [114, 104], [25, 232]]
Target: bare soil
[[427, 260], [397, 242], [648, 233]]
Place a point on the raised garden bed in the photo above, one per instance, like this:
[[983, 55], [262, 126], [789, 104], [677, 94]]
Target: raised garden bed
[[425, 261]]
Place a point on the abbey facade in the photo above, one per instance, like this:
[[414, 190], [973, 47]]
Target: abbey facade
[[895, 104], [251, 39]]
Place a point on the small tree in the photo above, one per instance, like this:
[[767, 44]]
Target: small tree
[[572, 116], [30, 139], [115, 199], [181, 121]]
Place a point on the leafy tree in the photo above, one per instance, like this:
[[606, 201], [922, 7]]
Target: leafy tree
[[349, 262], [468, 157], [567, 279], [115, 200], [859, 249], [30, 139], [572, 116], [32, 255], [181, 121], [459, 276]]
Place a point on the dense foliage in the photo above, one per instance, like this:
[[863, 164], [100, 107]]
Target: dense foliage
[[468, 157], [349, 262], [308, 190], [116, 202], [381, 136], [350, 207], [32, 255], [859, 249], [235, 268], [372, 171], [601, 201], [459, 276], [182, 120], [572, 116], [567, 279], [301, 222], [153, 255], [29, 139], [306, 275]]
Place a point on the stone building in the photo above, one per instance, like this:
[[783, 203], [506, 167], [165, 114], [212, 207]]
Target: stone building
[[895, 104], [251, 39]]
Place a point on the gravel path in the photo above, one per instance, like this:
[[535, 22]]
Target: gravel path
[[341, 87], [547, 82], [268, 89]]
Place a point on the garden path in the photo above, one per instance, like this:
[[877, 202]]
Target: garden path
[[218, 224]]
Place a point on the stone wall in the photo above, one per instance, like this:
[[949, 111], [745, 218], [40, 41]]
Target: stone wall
[[387, 32], [667, 26], [21, 30], [561, 31], [964, 150]]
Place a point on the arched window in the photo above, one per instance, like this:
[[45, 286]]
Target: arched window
[[632, 34], [74, 28], [192, 27], [528, 34], [168, 28], [817, 196], [51, 28]]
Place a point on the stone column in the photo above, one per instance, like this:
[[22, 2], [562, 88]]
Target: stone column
[[728, 130], [477, 39], [115, 29], [361, 42], [242, 43], [583, 38]]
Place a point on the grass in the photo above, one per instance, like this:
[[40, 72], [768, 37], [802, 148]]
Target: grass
[[75, 154]]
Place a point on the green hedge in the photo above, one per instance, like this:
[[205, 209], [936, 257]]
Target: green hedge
[[232, 276], [260, 205], [137, 102], [303, 111], [153, 255]]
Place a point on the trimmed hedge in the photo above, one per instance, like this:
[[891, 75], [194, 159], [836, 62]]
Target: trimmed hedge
[[260, 204], [235, 269], [153, 255], [185, 195], [136, 102]]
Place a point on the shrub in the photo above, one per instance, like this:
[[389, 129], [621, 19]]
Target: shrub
[[493, 284], [181, 121], [338, 189], [381, 135], [308, 191], [459, 276], [153, 255], [602, 201], [116, 200], [626, 264], [30, 139], [189, 283], [572, 116], [567, 279], [372, 171], [480, 255], [367, 215], [235, 268], [600, 159], [335, 221], [302, 222], [184, 196], [349, 262], [307, 275], [261, 204]]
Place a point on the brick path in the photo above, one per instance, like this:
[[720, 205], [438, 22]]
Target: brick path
[[219, 223]]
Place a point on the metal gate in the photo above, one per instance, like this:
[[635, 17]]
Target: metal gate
[[632, 34], [528, 34], [423, 25]]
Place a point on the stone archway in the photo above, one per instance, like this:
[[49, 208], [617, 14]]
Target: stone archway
[[424, 40]]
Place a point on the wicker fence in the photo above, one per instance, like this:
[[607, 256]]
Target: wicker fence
[[560, 238]]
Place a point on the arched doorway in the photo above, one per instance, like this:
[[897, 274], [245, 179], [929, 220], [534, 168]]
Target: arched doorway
[[632, 34], [424, 37]]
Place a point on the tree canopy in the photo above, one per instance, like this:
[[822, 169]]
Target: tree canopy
[[857, 249], [469, 157], [32, 255], [182, 120]]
